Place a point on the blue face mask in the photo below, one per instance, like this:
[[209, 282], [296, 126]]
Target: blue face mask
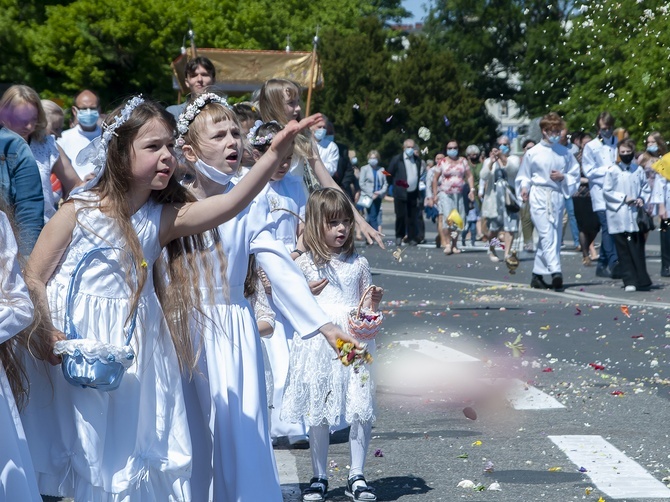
[[319, 134], [606, 133], [409, 152], [652, 148], [554, 140], [504, 149], [88, 117], [373, 162], [452, 153]]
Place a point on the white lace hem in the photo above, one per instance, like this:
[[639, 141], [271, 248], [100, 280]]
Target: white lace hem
[[96, 350]]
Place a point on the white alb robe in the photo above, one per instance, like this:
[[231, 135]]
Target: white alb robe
[[547, 198], [620, 182], [598, 155]]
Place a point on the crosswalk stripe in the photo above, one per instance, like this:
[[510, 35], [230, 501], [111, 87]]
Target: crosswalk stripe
[[288, 475], [527, 397], [610, 470], [521, 395], [437, 351]]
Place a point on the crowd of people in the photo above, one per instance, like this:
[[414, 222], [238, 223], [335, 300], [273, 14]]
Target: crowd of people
[[177, 282], [591, 184], [179, 297]]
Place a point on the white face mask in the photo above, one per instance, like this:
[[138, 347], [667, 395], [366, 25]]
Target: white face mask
[[373, 162], [213, 173]]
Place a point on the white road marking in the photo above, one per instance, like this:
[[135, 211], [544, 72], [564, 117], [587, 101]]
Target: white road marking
[[288, 475], [520, 395], [568, 293], [526, 397], [611, 470], [437, 351]]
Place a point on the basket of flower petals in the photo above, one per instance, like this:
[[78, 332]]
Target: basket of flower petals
[[364, 323]]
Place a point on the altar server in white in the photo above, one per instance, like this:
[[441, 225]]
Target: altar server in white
[[625, 190], [549, 174]]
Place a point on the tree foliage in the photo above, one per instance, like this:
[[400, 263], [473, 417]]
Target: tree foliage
[[381, 89]]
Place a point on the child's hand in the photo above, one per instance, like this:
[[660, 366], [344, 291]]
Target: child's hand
[[332, 332], [317, 286], [54, 336], [284, 138], [376, 294]]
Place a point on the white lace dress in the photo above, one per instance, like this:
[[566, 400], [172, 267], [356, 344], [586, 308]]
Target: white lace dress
[[130, 444], [285, 199], [17, 477], [320, 389]]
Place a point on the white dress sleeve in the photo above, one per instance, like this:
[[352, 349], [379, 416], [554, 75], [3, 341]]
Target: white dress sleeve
[[16, 308]]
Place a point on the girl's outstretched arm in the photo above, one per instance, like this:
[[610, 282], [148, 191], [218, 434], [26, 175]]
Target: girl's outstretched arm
[[196, 217], [324, 177], [45, 257]]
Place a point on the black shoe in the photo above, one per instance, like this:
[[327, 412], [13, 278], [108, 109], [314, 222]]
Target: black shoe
[[665, 272], [557, 281], [537, 282], [413, 243], [603, 272], [438, 242]]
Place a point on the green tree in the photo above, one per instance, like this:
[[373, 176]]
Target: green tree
[[377, 95]]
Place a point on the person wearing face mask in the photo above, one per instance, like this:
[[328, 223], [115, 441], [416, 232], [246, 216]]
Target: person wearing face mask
[[598, 155], [86, 112], [474, 156], [498, 172], [328, 151], [404, 172], [452, 174], [549, 175], [625, 191], [373, 188]]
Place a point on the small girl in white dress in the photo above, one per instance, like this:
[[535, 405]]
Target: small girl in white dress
[[320, 389]]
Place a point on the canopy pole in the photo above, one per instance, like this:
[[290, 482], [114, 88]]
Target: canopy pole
[[315, 43]]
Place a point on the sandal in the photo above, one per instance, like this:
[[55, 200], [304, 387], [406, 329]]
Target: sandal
[[447, 251], [316, 492], [455, 251], [362, 493]]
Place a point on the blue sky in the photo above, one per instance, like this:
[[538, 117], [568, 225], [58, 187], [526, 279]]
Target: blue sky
[[416, 8]]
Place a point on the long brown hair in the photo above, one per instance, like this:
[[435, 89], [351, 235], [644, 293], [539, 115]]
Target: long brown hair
[[323, 205], [185, 258], [9, 357]]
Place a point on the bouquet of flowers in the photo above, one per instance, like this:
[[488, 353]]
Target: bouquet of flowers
[[365, 323], [349, 355]]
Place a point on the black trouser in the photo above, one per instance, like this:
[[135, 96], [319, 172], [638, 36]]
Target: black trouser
[[406, 216], [632, 263], [665, 249]]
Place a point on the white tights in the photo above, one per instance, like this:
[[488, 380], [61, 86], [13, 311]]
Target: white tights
[[319, 440]]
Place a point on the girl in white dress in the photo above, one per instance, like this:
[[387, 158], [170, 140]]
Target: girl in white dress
[[320, 389], [21, 111], [133, 443], [228, 418], [17, 477], [285, 202], [279, 100]]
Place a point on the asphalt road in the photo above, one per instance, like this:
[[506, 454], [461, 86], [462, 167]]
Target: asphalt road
[[580, 415]]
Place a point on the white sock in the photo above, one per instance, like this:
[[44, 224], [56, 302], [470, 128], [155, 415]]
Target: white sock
[[319, 440]]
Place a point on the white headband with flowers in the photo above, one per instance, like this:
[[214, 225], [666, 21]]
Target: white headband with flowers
[[96, 151], [193, 110], [260, 140]]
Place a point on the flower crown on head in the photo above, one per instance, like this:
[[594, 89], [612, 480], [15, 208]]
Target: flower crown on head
[[109, 130], [95, 152], [193, 110], [260, 140]]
